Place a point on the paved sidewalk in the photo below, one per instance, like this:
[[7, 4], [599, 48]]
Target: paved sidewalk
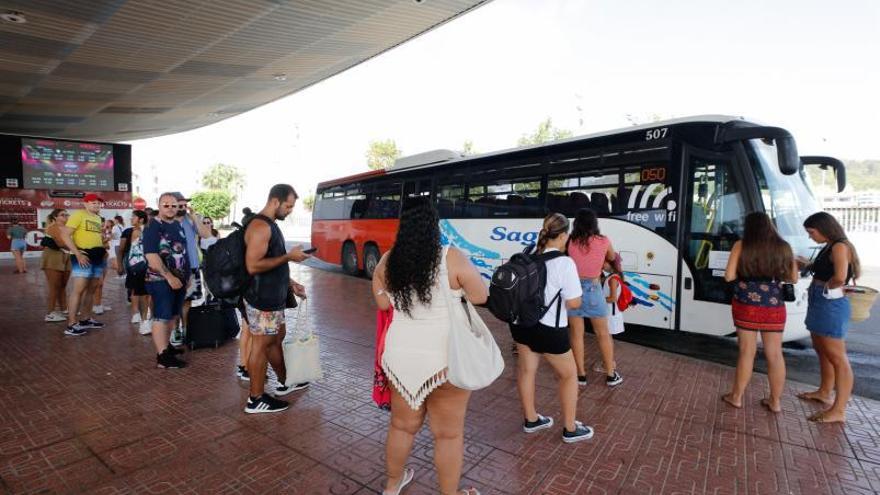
[[92, 415]]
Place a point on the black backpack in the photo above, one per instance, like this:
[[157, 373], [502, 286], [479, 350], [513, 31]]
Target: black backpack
[[225, 271], [516, 292]]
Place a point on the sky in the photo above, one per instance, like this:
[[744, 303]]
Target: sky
[[494, 74]]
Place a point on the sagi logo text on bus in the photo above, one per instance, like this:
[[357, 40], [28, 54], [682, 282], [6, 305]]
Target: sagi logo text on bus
[[500, 233]]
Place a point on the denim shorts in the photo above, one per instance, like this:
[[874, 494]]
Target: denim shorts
[[94, 270], [18, 245], [593, 304], [827, 317], [167, 302]]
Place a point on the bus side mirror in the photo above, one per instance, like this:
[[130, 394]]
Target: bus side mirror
[[826, 162], [786, 149]]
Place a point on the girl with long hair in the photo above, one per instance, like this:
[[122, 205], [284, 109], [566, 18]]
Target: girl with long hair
[[828, 314], [590, 250], [55, 263], [408, 277], [562, 291], [758, 266]]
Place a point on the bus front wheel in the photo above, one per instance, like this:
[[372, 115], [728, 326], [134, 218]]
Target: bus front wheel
[[349, 259], [371, 259]]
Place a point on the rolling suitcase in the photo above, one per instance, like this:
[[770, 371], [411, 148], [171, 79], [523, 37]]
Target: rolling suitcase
[[210, 325]]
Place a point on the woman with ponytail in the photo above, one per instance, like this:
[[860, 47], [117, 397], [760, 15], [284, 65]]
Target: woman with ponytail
[[547, 338], [828, 314], [590, 250]]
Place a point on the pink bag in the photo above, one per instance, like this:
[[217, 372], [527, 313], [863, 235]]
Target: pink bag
[[381, 390]]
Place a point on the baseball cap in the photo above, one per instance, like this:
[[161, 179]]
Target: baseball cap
[[88, 198], [178, 196]]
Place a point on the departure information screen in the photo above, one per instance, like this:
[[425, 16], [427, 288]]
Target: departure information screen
[[70, 165]]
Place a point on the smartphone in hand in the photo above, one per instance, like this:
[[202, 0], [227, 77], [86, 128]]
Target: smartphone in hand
[[310, 250]]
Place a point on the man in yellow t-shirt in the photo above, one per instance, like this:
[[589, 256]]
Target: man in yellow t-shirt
[[82, 236]]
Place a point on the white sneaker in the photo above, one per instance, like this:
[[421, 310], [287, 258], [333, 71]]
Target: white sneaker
[[146, 327], [98, 310], [136, 318], [54, 317]]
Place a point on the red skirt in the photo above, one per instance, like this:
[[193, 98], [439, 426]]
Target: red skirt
[[758, 318]]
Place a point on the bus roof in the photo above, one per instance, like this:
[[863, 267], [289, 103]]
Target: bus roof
[[715, 119]]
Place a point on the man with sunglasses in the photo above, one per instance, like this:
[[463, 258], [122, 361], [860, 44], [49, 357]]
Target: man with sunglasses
[[193, 229], [168, 272]]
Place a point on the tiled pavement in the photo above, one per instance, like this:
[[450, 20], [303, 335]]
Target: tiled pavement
[[92, 415]]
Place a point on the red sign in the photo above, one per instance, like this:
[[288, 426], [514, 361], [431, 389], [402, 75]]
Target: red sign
[[139, 203], [30, 207]]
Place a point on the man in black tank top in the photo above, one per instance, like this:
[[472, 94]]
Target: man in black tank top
[[265, 296]]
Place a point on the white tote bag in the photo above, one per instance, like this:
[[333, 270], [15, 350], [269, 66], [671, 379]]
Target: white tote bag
[[302, 354], [474, 358]]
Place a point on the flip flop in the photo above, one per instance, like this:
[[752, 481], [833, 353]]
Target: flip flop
[[408, 475], [766, 403], [727, 400], [470, 491]]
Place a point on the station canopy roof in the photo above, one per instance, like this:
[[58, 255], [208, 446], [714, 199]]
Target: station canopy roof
[[119, 70]]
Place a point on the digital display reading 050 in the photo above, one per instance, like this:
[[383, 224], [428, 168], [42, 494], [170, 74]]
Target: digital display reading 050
[[653, 174]]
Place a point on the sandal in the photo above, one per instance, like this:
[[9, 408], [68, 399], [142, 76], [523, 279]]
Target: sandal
[[470, 491], [408, 475]]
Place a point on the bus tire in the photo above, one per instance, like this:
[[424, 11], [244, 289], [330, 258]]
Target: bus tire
[[349, 259], [371, 259]]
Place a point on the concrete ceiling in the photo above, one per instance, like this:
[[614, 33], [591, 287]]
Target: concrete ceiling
[[119, 70]]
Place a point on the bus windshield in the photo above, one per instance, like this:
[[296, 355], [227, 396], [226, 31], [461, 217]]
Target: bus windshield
[[787, 198]]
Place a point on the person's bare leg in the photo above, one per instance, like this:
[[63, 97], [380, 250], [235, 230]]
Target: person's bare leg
[[77, 295], [405, 424], [62, 292], [775, 369], [446, 407], [88, 299], [748, 346], [576, 336], [19, 261], [566, 374], [245, 343], [835, 350], [605, 343], [257, 362], [98, 292], [526, 369], [276, 355], [53, 283], [825, 392], [161, 332]]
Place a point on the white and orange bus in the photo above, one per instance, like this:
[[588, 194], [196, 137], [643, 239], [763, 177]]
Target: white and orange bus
[[672, 196]]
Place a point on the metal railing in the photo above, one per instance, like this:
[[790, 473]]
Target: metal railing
[[857, 218]]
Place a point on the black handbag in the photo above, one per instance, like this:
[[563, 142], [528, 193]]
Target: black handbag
[[788, 294], [290, 303]]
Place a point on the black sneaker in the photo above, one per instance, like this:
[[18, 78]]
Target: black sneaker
[[582, 380], [541, 423], [174, 350], [265, 404], [168, 360], [581, 432], [284, 390], [91, 323], [75, 330], [614, 380], [242, 373]]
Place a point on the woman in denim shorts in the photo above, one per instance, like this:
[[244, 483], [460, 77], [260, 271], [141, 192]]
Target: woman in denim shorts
[[590, 250], [828, 314]]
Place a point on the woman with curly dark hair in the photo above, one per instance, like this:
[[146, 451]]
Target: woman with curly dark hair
[[416, 357]]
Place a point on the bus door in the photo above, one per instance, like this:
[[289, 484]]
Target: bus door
[[715, 206]]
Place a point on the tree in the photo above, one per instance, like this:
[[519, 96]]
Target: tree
[[309, 202], [224, 177], [382, 154], [545, 132], [214, 203]]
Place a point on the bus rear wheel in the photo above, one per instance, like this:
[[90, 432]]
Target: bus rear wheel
[[349, 259], [371, 259]]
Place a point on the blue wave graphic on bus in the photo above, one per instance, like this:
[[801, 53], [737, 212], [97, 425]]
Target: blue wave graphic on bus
[[477, 255], [643, 298]]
